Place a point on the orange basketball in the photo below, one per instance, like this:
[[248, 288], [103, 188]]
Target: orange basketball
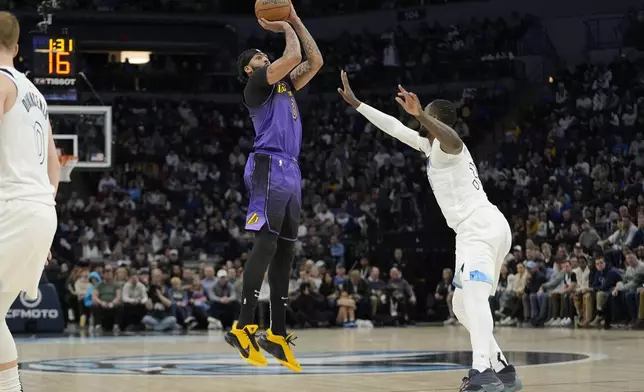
[[273, 10]]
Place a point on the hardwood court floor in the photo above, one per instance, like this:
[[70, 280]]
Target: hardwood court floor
[[379, 360]]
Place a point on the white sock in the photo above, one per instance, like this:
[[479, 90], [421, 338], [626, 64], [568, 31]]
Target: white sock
[[475, 299], [10, 380], [497, 359]]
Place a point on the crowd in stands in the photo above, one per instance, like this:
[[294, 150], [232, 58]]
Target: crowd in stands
[[159, 242], [180, 198], [477, 50], [168, 296], [572, 168], [213, 7]]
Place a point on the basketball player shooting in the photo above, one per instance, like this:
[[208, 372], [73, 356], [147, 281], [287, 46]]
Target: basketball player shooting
[[29, 175], [273, 179], [483, 236]]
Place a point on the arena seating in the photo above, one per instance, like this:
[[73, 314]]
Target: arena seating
[[173, 205]]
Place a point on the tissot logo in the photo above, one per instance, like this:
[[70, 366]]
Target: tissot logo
[[312, 363], [70, 82]]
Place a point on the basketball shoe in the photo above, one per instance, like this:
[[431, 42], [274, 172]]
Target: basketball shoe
[[279, 347], [510, 379], [244, 341], [486, 381]]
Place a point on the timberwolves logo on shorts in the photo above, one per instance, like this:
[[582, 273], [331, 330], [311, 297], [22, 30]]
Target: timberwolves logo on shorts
[[312, 363]]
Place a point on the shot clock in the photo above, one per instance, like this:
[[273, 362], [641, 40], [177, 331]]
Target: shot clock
[[54, 66]]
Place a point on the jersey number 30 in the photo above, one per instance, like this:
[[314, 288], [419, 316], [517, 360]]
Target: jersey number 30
[[475, 182]]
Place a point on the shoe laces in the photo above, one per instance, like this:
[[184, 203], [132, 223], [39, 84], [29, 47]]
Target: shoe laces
[[290, 338], [465, 384]]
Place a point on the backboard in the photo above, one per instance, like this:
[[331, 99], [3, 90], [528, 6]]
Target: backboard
[[83, 131]]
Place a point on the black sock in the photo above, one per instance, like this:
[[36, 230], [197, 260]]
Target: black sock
[[278, 279], [258, 260]]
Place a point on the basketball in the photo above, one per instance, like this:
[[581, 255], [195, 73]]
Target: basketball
[[273, 10]]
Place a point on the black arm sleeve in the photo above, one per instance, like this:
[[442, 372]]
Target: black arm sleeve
[[257, 89]]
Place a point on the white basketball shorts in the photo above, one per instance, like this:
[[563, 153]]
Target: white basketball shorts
[[483, 240], [27, 230]]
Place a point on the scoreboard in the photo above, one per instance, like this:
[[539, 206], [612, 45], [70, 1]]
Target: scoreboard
[[54, 66]]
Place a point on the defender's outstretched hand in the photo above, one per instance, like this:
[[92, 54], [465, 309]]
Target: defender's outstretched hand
[[409, 102], [275, 27], [346, 92]]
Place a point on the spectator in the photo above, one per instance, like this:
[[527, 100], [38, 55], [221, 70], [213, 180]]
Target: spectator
[[588, 237], [533, 292], [515, 291], [582, 297], [224, 302], [442, 298], [329, 291], [402, 296], [346, 310], [337, 251], [560, 297], [358, 289], [159, 316], [626, 291], [606, 280], [106, 300], [504, 292], [309, 306], [81, 288], [180, 309], [135, 296], [340, 277], [364, 267], [377, 290], [209, 280], [200, 307]]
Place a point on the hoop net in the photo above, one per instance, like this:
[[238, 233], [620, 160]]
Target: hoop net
[[67, 164]]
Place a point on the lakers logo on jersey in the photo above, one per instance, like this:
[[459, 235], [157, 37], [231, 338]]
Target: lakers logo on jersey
[[254, 218], [282, 88]]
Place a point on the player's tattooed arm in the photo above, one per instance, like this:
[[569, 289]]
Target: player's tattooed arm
[[303, 73], [449, 140], [292, 55]]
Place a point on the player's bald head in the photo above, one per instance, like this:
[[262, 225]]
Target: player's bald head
[[442, 110], [9, 31]]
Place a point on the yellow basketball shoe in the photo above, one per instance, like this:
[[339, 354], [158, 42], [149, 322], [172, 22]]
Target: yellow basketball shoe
[[244, 341], [279, 347]]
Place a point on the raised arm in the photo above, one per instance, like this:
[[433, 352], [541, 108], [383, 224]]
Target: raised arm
[[449, 140], [303, 73], [384, 122], [292, 55]]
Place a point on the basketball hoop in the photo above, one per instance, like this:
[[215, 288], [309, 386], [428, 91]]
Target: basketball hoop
[[67, 164]]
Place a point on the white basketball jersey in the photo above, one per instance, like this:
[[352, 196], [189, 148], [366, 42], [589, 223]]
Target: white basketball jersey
[[24, 140], [455, 182]]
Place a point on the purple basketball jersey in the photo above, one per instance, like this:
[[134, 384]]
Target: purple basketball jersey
[[277, 123]]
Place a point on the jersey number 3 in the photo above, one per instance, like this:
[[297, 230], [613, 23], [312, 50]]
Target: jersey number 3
[[39, 142], [475, 182]]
